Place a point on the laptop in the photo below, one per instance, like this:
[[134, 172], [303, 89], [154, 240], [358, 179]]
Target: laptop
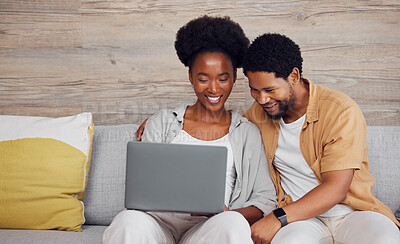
[[175, 177]]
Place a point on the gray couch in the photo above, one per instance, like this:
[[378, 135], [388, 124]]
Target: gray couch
[[104, 196]]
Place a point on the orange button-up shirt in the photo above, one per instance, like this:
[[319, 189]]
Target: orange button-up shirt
[[333, 137]]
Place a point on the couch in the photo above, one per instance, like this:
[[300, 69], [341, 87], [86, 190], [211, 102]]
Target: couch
[[104, 196]]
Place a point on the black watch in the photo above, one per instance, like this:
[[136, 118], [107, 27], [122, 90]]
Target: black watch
[[281, 216]]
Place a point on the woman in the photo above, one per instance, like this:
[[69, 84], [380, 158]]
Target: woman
[[212, 48]]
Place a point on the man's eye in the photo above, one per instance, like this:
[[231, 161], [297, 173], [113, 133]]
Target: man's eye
[[202, 80]]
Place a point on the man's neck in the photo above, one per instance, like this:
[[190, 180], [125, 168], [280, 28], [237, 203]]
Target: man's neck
[[299, 108]]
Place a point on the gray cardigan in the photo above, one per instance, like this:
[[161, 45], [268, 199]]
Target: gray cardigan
[[253, 186]]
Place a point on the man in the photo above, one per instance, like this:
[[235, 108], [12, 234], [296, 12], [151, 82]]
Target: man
[[315, 141]]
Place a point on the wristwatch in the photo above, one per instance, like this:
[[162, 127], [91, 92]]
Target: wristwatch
[[281, 216]]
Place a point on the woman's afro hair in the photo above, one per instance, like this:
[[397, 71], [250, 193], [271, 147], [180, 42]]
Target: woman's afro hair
[[211, 34], [273, 53]]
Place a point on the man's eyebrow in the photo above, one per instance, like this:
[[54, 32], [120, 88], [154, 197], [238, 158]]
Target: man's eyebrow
[[263, 88]]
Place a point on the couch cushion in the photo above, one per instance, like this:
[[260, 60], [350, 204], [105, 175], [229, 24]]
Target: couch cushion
[[105, 192], [44, 164], [384, 153], [104, 196], [89, 235]]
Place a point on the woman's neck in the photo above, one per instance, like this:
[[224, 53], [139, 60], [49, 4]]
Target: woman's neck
[[204, 124], [200, 113]]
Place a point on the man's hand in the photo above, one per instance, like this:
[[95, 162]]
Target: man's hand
[[265, 229], [140, 130]]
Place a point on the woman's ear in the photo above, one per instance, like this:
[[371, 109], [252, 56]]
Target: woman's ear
[[234, 75], [190, 76]]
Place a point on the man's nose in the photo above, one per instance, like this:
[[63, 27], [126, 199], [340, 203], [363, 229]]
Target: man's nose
[[263, 98]]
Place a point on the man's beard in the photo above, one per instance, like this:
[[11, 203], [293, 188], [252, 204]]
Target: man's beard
[[284, 106]]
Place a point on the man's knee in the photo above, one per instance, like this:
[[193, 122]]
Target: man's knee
[[291, 239], [307, 231], [298, 237], [393, 239], [367, 227]]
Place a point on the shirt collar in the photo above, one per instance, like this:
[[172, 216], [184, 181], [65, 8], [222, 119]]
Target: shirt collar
[[179, 112], [236, 120], [312, 108]]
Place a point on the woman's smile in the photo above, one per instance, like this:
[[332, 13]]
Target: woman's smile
[[214, 99]]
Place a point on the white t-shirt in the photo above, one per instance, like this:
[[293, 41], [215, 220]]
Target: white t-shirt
[[297, 178], [184, 138]]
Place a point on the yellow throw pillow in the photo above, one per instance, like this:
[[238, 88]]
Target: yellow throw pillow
[[44, 165]]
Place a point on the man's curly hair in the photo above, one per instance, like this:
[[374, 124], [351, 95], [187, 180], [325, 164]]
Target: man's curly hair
[[211, 34], [273, 53]]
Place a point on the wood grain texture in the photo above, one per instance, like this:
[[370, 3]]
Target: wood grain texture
[[40, 23], [117, 60]]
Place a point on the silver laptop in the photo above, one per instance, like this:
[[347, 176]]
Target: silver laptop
[[175, 177]]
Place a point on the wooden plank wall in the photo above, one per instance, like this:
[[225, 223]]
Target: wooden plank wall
[[116, 58]]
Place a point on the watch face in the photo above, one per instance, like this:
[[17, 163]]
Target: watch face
[[279, 212], [281, 216]]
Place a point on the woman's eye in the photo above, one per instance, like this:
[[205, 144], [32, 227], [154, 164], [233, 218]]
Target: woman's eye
[[202, 80]]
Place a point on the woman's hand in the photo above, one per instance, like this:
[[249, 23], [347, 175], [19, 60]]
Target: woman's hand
[[139, 132]]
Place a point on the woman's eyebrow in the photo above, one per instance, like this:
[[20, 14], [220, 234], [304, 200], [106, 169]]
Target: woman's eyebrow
[[225, 73], [205, 74]]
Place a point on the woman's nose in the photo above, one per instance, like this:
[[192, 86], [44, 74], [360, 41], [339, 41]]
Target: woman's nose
[[213, 86]]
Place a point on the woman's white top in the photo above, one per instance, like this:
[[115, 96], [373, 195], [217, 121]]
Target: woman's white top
[[184, 138]]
